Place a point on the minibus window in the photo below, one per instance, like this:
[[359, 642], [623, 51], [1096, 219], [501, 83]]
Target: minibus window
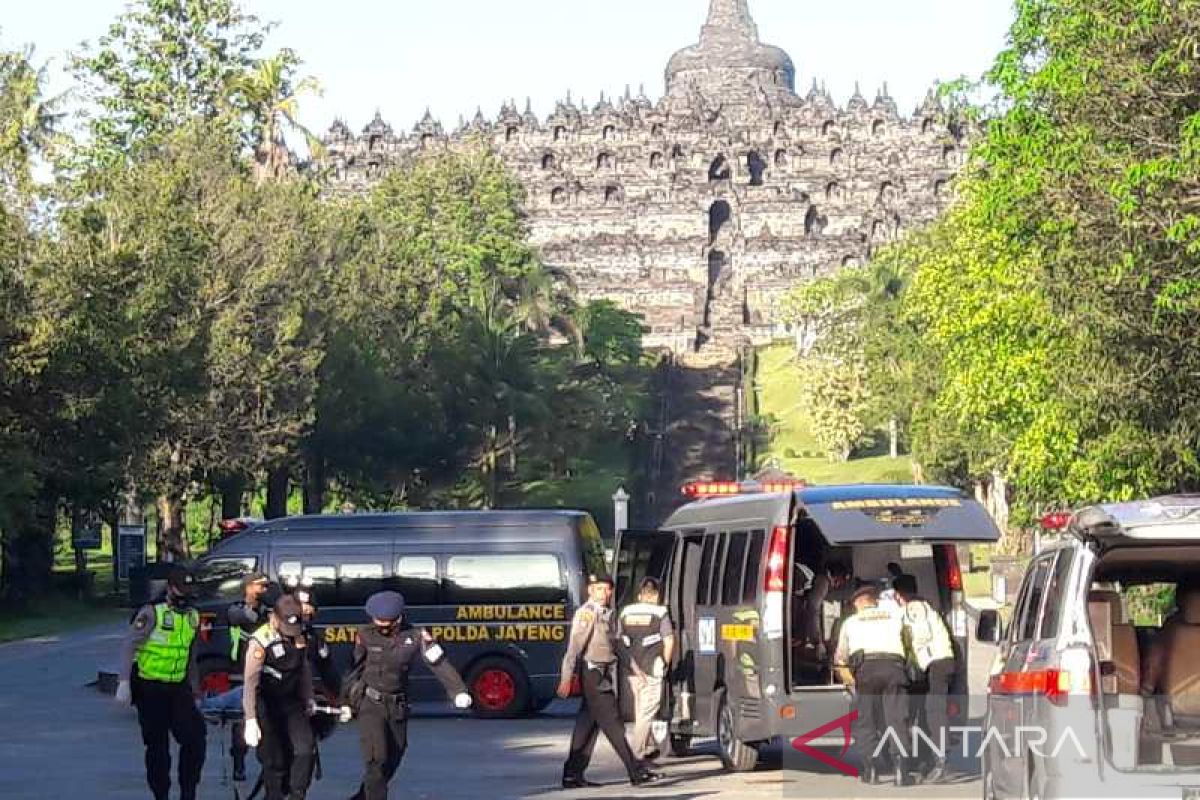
[[504, 579], [416, 579], [706, 570], [753, 562], [735, 560], [718, 568], [358, 582]]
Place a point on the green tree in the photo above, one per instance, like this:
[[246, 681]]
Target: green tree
[[29, 122], [270, 95]]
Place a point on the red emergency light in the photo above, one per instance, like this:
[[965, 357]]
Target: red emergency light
[[1056, 520], [703, 489]]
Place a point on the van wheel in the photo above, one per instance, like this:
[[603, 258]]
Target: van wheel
[[680, 744], [735, 754], [499, 688]]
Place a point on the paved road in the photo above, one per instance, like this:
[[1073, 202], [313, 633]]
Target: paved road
[[61, 739]]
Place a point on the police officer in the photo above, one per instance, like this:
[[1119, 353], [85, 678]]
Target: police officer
[[377, 687], [646, 632], [933, 651], [592, 650], [319, 654], [245, 617], [871, 645], [278, 700], [165, 685]]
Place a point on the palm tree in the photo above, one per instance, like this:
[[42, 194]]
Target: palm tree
[[271, 96], [28, 119]]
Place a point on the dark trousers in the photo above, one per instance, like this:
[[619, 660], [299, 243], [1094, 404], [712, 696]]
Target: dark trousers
[[168, 710], [599, 712], [237, 745], [940, 676], [383, 734], [881, 701], [286, 750]]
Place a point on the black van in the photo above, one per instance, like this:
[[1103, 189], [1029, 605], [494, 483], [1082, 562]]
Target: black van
[[730, 566], [496, 588]]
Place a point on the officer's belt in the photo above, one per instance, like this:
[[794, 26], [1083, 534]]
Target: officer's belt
[[652, 639], [605, 667], [866, 657], [380, 697], [274, 673]]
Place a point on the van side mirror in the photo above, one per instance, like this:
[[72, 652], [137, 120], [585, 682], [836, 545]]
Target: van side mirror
[[989, 628]]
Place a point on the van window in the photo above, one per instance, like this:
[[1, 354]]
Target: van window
[[289, 572], [221, 578], [357, 582], [1025, 619], [706, 570], [718, 569], [416, 579], [735, 561], [1055, 592], [594, 562], [753, 562], [504, 579]]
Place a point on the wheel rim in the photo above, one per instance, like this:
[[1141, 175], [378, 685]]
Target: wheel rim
[[725, 730], [495, 689]]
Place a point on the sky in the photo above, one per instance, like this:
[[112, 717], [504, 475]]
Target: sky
[[452, 56]]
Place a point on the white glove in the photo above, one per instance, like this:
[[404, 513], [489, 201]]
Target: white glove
[[462, 700], [124, 693], [658, 730], [253, 734], [346, 715]]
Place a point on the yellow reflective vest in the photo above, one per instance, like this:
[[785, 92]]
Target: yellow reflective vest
[[164, 656]]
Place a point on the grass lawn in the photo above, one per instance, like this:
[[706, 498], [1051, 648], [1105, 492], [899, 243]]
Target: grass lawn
[[56, 614], [780, 397]]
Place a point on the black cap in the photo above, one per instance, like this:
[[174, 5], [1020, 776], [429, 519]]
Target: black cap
[[180, 578], [289, 616], [306, 596], [255, 577], [595, 579], [387, 606]]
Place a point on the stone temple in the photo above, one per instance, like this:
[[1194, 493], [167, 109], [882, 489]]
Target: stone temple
[[702, 209]]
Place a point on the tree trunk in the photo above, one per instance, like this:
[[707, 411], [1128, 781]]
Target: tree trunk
[[173, 533], [277, 493], [232, 488], [28, 550], [314, 482], [894, 438]]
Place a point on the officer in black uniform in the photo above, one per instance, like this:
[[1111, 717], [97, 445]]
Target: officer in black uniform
[[245, 617], [872, 646], [377, 687], [592, 651], [278, 701]]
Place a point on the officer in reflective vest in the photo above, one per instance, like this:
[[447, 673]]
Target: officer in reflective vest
[[648, 638], [245, 617], [592, 650], [165, 685], [377, 687], [278, 700], [872, 649], [933, 651]]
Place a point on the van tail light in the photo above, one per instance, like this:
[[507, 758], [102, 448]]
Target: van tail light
[[1071, 678], [954, 581], [775, 579], [775, 583]]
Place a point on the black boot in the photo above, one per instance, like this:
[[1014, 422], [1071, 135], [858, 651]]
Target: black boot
[[870, 773], [936, 772], [239, 763], [576, 782], [901, 773], [644, 776]]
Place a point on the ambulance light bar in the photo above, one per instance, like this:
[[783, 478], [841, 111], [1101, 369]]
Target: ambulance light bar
[[704, 489]]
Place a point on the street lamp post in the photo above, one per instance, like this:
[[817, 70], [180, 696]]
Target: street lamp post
[[620, 510]]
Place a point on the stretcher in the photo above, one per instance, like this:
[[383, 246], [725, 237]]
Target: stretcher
[[224, 710]]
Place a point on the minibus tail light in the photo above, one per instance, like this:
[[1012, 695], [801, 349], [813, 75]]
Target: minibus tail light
[[775, 579]]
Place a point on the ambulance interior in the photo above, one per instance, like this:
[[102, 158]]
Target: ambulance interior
[[813, 631], [1149, 673]]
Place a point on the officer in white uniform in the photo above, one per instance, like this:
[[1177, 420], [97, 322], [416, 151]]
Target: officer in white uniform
[[872, 649]]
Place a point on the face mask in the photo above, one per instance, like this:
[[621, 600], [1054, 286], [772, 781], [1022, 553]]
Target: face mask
[[386, 630]]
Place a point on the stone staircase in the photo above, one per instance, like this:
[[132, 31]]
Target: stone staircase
[[701, 431]]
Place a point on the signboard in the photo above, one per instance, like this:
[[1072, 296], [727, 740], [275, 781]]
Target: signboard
[[86, 536], [131, 549], [707, 634]]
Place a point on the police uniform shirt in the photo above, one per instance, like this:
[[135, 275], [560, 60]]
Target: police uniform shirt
[[593, 638], [244, 620], [139, 633], [276, 669], [322, 660], [643, 629], [927, 632], [872, 631], [383, 660]]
